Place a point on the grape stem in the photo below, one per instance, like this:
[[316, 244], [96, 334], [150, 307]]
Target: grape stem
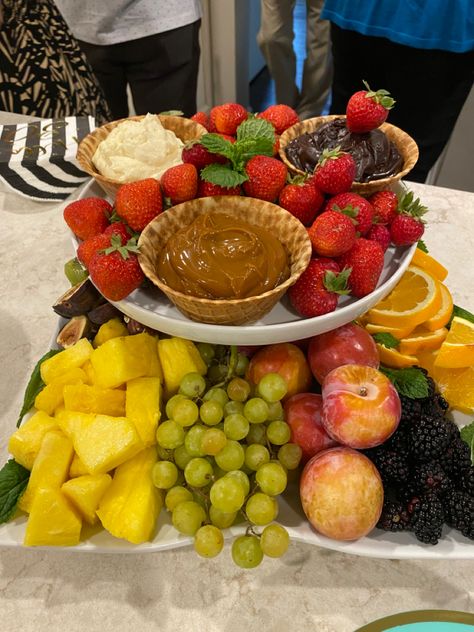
[[230, 367]]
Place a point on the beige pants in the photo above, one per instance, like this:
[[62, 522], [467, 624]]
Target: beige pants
[[275, 39]]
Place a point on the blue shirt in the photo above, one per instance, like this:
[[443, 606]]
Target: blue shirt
[[442, 24]]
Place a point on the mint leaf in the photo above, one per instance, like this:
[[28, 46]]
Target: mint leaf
[[13, 481], [256, 128], [222, 175], [248, 148], [35, 385], [386, 339], [467, 435], [217, 145], [460, 312], [410, 382], [422, 246]]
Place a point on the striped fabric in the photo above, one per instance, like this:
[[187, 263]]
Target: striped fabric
[[38, 160]]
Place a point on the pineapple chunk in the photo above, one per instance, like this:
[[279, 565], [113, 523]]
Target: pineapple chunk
[[125, 358], [90, 373], [51, 396], [92, 399], [178, 356], [142, 406], [51, 467], [100, 441], [25, 442], [85, 493], [68, 359], [113, 328], [77, 467], [52, 520], [129, 508]]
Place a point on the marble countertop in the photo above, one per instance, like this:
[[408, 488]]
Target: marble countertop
[[309, 588]]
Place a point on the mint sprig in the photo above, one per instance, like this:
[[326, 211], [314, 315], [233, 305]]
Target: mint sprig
[[467, 435], [35, 385], [409, 382], [222, 175], [386, 339], [13, 481]]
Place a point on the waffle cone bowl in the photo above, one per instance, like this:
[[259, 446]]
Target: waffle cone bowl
[[290, 232], [404, 143], [185, 129]]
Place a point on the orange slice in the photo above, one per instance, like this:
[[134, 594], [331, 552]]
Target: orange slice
[[398, 332], [415, 299], [422, 340], [393, 358], [457, 387], [442, 316], [457, 351], [430, 264]]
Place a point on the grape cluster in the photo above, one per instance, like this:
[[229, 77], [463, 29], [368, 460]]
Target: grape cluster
[[225, 454]]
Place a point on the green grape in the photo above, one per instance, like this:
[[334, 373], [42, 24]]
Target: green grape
[[176, 495], [278, 432], [181, 456], [185, 412], [236, 426], [213, 440], [211, 412], [272, 387], [74, 271], [241, 364], [256, 455], [219, 472], [246, 551], [257, 434], [227, 494], [234, 408], [217, 373], [192, 385], [242, 478], [221, 519], [198, 472], [256, 410], [208, 541], [290, 455], [187, 517], [170, 434], [193, 440], [216, 394], [261, 509], [274, 540], [164, 474], [231, 457], [206, 351], [171, 403], [275, 411], [271, 478], [163, 453], [238, 389]]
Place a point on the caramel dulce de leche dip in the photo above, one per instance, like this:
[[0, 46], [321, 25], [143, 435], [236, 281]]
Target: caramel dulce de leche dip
[[219, 256]]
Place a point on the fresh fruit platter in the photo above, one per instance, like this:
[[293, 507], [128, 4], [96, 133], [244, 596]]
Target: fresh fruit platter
[[355, 434]]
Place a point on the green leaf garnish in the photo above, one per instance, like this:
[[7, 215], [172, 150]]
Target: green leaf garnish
[[13, 481], [467, 435], [386, 339], [422, 246], [460, 312], [410, 382], [222, 175], [217, 145], [256, 128], [35, 385]]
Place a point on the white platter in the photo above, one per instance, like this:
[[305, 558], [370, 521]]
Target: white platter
[[152, 308]]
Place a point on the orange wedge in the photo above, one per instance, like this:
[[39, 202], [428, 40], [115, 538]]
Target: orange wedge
[[415, 299], [397, 332], [393, 358], [457, 351], [430, 264], [457, 387], [442, 316], [421, 339]]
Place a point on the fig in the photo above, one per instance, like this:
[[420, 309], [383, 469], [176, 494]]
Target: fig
[[76, 328], [78, 300]]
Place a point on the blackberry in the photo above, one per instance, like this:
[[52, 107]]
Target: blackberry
[[428, 519], [430, 477], [466, 481], [456, 459], [429, 438], [411, 410], [394, 517], [392, 465], [459, 512]]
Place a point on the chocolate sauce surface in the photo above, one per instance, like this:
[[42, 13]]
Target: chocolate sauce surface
[[375, 155]]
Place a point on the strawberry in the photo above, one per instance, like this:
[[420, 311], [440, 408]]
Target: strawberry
[[137, 203], [196, 154], [202, 118], [367, 109], [89, 247], [280, 116], [335, 171], [317, 290], [354, 206], [385, 206], [87, 217], [365, 259], [227, 117], [119, 228], [332, 234], [380, 233], [116, 271], [408, 227], [302, 199], [180, 183], [266, 178], [207, 189]]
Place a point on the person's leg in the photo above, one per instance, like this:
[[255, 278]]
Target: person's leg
[[162, 70], [275, 39], [109, 70], [317, 68]]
